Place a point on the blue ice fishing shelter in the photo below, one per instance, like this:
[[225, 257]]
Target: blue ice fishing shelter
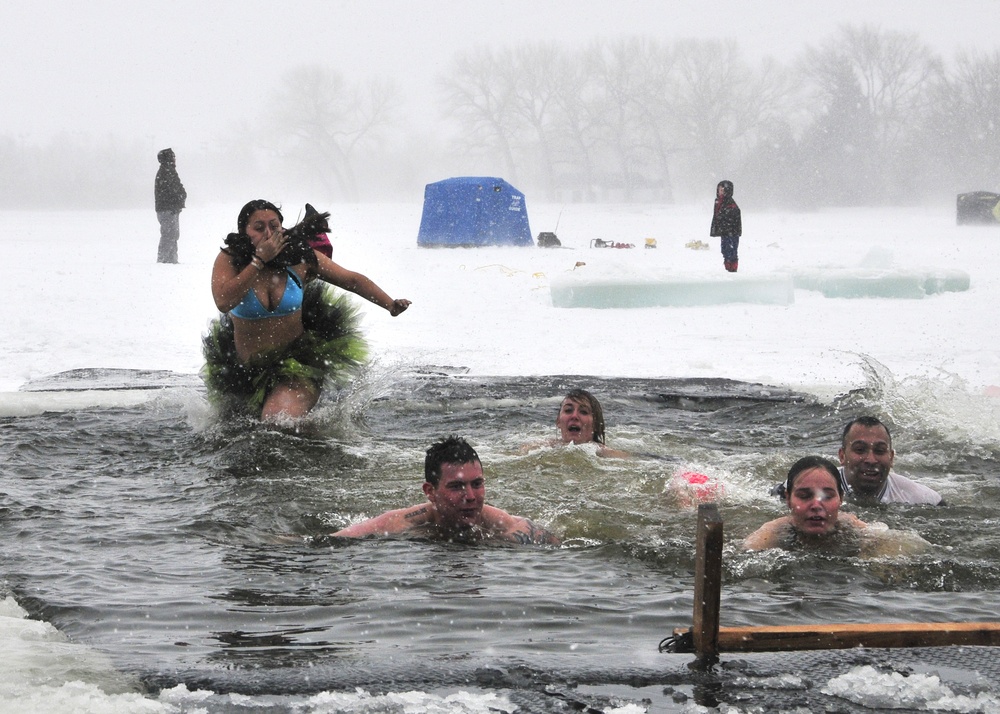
[[473, 211]]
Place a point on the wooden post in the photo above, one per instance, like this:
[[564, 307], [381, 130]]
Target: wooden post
[[708, 639], [707, 583]]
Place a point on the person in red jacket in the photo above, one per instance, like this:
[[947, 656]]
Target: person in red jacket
[[727, 224]]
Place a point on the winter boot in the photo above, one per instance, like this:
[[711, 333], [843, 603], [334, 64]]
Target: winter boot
[[730, 266]]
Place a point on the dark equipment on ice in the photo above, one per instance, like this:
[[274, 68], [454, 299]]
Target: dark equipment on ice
[[599, 243], [978, 207], [547, 239]]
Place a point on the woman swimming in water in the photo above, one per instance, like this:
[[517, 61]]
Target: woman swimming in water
[[283, 331], [581, 421], [814, 494]]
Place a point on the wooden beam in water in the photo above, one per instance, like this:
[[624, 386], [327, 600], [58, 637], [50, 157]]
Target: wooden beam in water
[[708, 639], [707, 582], [826, 637]]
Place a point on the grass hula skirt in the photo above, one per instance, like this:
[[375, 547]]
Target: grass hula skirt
[[330, 350]]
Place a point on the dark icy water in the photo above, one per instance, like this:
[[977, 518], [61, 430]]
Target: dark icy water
[[184, 548]]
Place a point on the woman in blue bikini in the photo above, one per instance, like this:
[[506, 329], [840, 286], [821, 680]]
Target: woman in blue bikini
[[283, 330]]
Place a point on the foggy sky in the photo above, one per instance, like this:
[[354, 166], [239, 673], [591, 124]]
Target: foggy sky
[[177, 73]]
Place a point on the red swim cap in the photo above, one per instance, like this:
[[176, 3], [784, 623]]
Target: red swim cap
[[700, 486]]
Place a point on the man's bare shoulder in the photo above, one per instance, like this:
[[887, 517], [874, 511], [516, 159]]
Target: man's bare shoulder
[[515, 529], [527, 532]]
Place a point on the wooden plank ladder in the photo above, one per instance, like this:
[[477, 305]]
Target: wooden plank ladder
[[706, 639]]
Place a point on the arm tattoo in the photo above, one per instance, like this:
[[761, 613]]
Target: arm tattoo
[[414, 514], [530, 534]]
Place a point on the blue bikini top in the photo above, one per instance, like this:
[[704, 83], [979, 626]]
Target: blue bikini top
[[250, 307]]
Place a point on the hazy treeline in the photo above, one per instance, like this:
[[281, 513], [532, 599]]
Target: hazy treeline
[[863, 117]]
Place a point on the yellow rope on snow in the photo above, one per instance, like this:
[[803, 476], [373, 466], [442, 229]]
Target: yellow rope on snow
[[509, 272]]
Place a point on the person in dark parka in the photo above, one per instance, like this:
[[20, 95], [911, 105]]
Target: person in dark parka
[[169, 196], [727, 224]]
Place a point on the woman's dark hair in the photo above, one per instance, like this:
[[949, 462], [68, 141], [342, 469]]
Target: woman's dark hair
[[258, 204], [811, 462], [297, 250]]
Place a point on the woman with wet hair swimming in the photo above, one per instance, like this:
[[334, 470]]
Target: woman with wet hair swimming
[[813, 494], [283, 331], [581, 421]]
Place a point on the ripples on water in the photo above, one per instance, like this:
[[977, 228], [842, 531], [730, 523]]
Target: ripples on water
[[183, 547]]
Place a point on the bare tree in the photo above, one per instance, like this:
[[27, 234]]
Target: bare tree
[[770, 172], [654, 105], [478, 93], [533, 78], [719, 101], [613, 116], [322, 124], [838, 164], [893, 71], [963, 126], [618, 72], [576, 125]]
